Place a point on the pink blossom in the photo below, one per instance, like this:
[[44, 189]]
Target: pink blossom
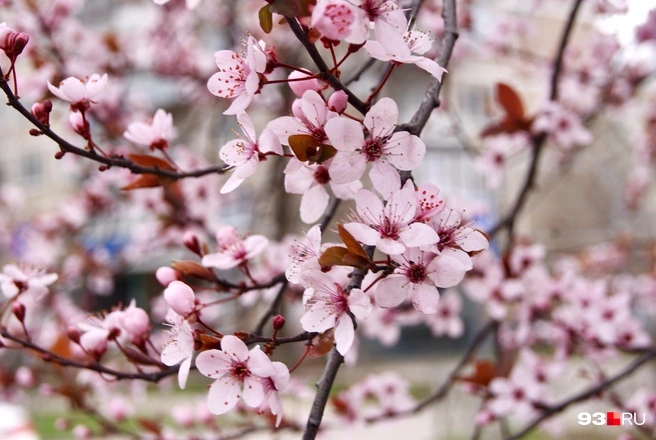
[[237, 372], [562, 125], [429, 203], [496, 152], [456, 239], [389, 25], [244, 154], [191, 4], [524, 257], [239, 75], [234, 251], [12, 43], [334, 19], [16, 279], [418, 42], [166, 275], [272, 387], [155, 133], [329, 307], [390, 227], [300, 87], [310, 116], [305, 255], [419, 274], [646, 31], [180, 350], [446, 320], [94, 342], [78, 92], [136, 322], [181, 298], [310, 180], [401, 149], [515, 395]]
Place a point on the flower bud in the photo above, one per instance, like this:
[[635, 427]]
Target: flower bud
[[18, 42], [135, 321], [180, 298], [18, 309], [73, 334], [47, 105], [95, 342], [79, 124], [82, 432], [300, 87], [278, 322], [39, 112], [191, 241], [338, 101], [166, 275]]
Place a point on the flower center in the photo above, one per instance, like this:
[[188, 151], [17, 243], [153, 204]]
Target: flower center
[[321, 175], [240, 371], [416, 273], [389, 229], [373, 150]]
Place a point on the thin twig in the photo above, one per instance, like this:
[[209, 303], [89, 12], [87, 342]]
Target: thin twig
[[585, 395], [273, 309]]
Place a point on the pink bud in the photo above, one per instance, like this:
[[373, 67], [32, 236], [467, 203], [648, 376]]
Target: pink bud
[[338, 101], [300, 87], [278, 322], [95, 342], [135, 321], [19, 42], [180, 298], [18, 309], [47, 105], [191, 241], [73, 334], [39, 112], [166, 275], [79, 124], [82, 432], [24, 377]]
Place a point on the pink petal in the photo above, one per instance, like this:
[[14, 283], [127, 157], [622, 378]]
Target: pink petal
[[344, 334], [255, 245], [234, 347], [247, 126], [381, 119], [359, 304], [239, 104], [236, 152], [314, 203], [472, 240], [431, 67], [390, 27], [223, 396], [74, 89], [299, 181], [253, 392], [95, 85], [314, 108], [392, 291], [345, 134], [286, 126], [219, 260], [426, 298], [346, 191], [363, 233], [347, 167], [260, 364], [405, 151], [212, 363], [446, 271], [370, 207], [318, 319], [183, 373], [385, 178], [390, 246], [418, 234], [376, 50], [269, 143], [401, 207]]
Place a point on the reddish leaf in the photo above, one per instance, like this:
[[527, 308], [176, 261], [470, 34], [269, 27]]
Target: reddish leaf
[[484, 371], [321, 344], [351, 243], [510, 101], [193, 269], [150, 425], [304, 146], [339, 256], [143, 181], [326, 152], [146, 160]]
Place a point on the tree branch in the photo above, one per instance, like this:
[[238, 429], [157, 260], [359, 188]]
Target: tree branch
[[591, 392], [325, 73], [111, 161]]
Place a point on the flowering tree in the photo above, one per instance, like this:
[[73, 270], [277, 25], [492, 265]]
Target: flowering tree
[[405, 256]]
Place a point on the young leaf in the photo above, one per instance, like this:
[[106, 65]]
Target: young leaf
[[351, 243], [266, 19], [326, 152], [305, 147], [146, 160], [193, 269], [510, 101], [339, 256], [144, 181], [484, 371]]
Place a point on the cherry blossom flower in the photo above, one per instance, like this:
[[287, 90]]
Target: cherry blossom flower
[[457, 240], [239, 75], [515, 395], [154, 134], [419, 274], [310, 116], [237, 372], [446, 320], [234, 251], [310, 180], [81, 94], [12, 43], [496, 151], [329, 307], [305, 255], [389, 227], [389, 25], [300, 87], [244, 154], [24, 279], [524, 257], [181, 299], [418, 42], [180, 350], [272, 387], [334, 19], [562, 125], [429, 203], [403, 150]]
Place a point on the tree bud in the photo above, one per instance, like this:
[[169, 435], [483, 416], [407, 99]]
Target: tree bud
[[278, 322]]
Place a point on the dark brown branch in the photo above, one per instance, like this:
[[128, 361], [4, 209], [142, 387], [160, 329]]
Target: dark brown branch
[[508, 222], [65, 362], [585, 395], [111, 161], [432, 96], [325, 73]]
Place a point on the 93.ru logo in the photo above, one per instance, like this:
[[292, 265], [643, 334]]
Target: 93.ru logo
[[612, 418]]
